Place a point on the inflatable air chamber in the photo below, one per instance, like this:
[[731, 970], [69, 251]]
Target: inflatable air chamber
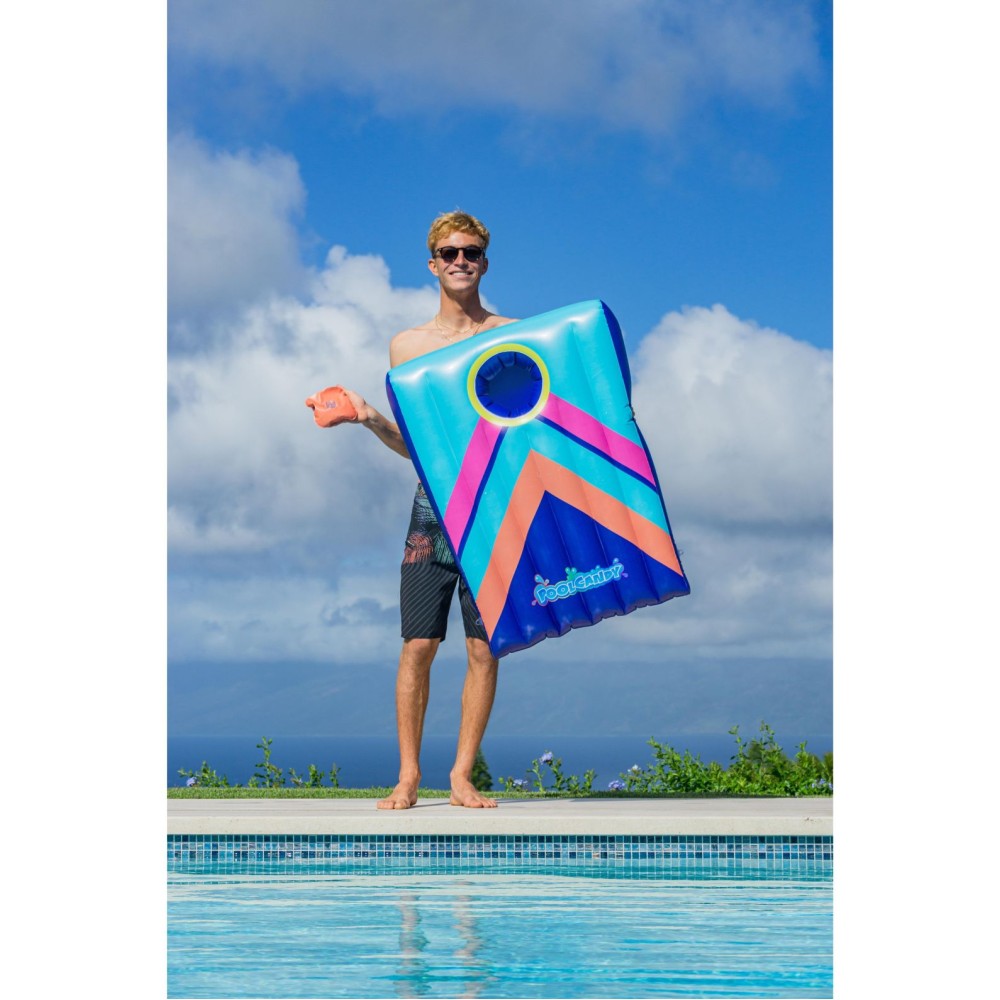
[[527, 446]]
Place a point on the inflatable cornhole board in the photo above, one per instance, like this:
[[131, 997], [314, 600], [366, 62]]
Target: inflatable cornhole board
[[526, 443]]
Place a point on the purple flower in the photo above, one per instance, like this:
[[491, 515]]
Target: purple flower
[[616, 786], [192, 781], [546, 757], [519, 783]]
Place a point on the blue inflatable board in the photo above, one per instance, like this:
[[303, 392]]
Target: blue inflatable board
[[528, 449]]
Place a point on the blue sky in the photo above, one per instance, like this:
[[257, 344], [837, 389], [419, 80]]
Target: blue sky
[[717, 179], [674, 160]]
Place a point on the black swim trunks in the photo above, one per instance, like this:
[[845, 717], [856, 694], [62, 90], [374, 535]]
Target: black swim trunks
[[428, 577]]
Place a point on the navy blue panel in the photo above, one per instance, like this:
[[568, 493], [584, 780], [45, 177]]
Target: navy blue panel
[[619, 341], [610, 576]]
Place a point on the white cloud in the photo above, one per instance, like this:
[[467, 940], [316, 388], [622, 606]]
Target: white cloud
[[753, 595], [272, 617], [230, 228], [739, 418], [247, 463], [632, 64]]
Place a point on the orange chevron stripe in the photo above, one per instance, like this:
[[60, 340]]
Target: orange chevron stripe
[[540, 475]]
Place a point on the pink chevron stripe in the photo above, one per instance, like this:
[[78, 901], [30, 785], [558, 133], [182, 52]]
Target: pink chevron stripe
[[470, 475], [598, 435]]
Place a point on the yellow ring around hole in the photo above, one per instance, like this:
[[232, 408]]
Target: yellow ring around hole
[[477, 405]]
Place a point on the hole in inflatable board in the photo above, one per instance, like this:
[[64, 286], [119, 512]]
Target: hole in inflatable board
[[509, 384]]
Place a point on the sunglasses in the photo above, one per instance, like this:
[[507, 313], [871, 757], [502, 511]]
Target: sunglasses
[[450, 254]]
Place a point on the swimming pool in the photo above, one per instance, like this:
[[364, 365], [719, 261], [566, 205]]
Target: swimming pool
[[499, 916]]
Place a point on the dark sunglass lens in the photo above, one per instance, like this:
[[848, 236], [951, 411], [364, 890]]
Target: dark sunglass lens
[[450, 254]]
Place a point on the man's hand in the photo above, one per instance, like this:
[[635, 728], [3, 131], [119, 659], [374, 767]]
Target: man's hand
[[362, 411], [336, 405]]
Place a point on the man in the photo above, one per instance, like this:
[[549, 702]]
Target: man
[[457, 243]]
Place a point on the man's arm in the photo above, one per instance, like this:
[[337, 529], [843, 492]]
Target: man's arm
[[403, 347], [381, 426]]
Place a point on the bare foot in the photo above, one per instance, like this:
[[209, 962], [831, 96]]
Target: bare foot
[[464, 793], [403, 796]]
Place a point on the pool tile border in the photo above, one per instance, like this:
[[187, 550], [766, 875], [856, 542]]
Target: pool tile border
[[495, 853]]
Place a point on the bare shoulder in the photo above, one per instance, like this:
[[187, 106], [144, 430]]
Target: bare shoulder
[[410, 344]]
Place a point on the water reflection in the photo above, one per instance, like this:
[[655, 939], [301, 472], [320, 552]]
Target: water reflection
[[478, 969], [415, 981], [460, 939]]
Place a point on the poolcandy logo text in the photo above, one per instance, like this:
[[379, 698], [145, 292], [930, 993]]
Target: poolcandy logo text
[[576, 582]]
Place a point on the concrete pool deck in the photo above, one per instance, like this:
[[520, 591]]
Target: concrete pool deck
[[636, 817]]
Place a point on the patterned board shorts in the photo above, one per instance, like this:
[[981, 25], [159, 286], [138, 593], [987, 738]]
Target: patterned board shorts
[[427, 580]]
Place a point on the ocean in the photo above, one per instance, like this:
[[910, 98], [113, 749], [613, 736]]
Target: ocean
[[368, 761]]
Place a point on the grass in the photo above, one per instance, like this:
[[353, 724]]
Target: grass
[[430, 793], [364, 793]]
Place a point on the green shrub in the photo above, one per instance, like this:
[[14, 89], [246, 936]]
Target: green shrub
[[759, 767], [482, 780], [266, 774], [569, 784]]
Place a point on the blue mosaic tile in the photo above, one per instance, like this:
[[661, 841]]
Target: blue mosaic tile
[[654, 856]]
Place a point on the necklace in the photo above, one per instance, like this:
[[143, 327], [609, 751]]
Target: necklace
[[444, 326]]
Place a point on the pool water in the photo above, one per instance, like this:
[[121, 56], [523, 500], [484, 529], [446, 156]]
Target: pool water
[[511, 935]]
